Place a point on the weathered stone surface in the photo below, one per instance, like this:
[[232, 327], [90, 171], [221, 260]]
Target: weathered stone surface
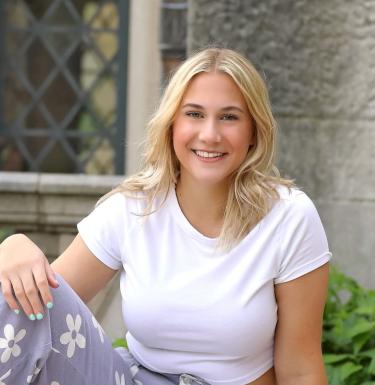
[[330, 159], [77, 183], [57, 200], [317, 56], [51, 243], [18, 205], [350, 227], [19, 182]]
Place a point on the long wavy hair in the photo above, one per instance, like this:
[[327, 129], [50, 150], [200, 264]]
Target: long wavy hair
[[253, 190]]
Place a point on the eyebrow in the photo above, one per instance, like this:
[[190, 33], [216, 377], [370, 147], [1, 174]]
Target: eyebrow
[[199, 107]]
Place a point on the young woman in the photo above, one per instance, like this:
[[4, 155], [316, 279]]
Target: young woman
[[224, 263]]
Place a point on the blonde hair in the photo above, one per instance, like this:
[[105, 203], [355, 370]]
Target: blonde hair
[[253, 190]]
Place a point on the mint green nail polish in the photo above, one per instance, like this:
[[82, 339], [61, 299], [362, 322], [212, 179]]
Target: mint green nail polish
[[39, 316], [32, 317], [50, 305], [16, 311]]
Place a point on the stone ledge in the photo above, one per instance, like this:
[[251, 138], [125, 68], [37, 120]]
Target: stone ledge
[[49, 202], [57, 183]]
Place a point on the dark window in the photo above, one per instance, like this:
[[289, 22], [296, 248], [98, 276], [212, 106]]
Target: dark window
[[63, 85]]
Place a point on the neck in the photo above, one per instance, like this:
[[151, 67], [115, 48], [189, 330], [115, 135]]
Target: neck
[[204, 206]]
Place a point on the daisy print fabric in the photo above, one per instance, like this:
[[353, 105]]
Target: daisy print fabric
[[73, 337], [4, 377], [10, 342]]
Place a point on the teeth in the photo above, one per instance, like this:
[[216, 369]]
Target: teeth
[[205, 154]]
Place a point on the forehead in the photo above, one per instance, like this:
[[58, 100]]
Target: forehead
[[213, 87]]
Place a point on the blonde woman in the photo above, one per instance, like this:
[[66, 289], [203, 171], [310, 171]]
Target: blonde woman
[[224, 264]]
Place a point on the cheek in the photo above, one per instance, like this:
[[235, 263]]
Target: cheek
[[180, 136], [243, 140], [178, 143]]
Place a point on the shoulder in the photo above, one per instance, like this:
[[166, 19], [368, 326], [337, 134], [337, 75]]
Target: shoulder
[[298, 215], [292, 195], [302, 239], [294, 201]]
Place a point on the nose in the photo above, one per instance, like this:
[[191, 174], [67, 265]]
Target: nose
[[209, 131]]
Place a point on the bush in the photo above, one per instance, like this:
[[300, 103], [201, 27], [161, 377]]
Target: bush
[[349, 332]]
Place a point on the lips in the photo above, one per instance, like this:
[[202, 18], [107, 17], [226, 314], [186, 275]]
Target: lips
[[208, 154]]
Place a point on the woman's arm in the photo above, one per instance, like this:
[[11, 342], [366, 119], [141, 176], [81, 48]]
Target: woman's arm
[[83, 271], [26, 275], [298, 355]]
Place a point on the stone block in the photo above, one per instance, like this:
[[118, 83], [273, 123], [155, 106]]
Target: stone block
[[64, 241], [65, 209], [329, 159], [77, 184], [349, 227], [47, 242], [17, 207], [19, 182]]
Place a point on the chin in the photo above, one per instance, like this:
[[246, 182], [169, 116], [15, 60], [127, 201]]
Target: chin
[[210, 180]]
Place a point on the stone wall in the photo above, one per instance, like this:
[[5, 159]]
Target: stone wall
[[47, 207], [318, 58]]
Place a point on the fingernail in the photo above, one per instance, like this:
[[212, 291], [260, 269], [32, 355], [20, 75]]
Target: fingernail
[[39, 316], [16, 311], [32, 317], [50, 305]]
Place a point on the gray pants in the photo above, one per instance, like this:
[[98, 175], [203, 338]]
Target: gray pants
[[68, 347]]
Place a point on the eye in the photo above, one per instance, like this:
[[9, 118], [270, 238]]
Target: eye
[[229, 117], [194, 114]]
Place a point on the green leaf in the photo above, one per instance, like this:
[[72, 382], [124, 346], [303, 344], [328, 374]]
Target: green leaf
[[371, 367], [365, 310], [333, 375], [360, 327], [347, 369], [120, 342], [335, 358], [360, 341], [369, 353]]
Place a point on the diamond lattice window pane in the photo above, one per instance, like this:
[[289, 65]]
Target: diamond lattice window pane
[[61, 77]]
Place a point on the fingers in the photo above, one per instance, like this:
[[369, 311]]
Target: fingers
[[51, 276], [32, 292], [6, 288], [22, 296], [41, 281], [25, 278]]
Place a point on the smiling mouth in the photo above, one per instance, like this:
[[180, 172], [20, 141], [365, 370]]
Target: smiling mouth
[[208, 155]]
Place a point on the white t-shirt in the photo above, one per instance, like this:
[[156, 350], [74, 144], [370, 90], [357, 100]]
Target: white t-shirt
[[191, 309]]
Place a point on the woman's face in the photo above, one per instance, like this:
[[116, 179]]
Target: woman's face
[[212, 130]]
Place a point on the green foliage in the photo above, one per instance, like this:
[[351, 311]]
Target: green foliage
[[120, 342], [5, 232], [349, 332]]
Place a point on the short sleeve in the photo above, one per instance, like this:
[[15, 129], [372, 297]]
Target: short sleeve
[[102, 230], [303, 242]]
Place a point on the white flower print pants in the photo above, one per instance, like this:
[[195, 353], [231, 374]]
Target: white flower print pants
[[69, 347]]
